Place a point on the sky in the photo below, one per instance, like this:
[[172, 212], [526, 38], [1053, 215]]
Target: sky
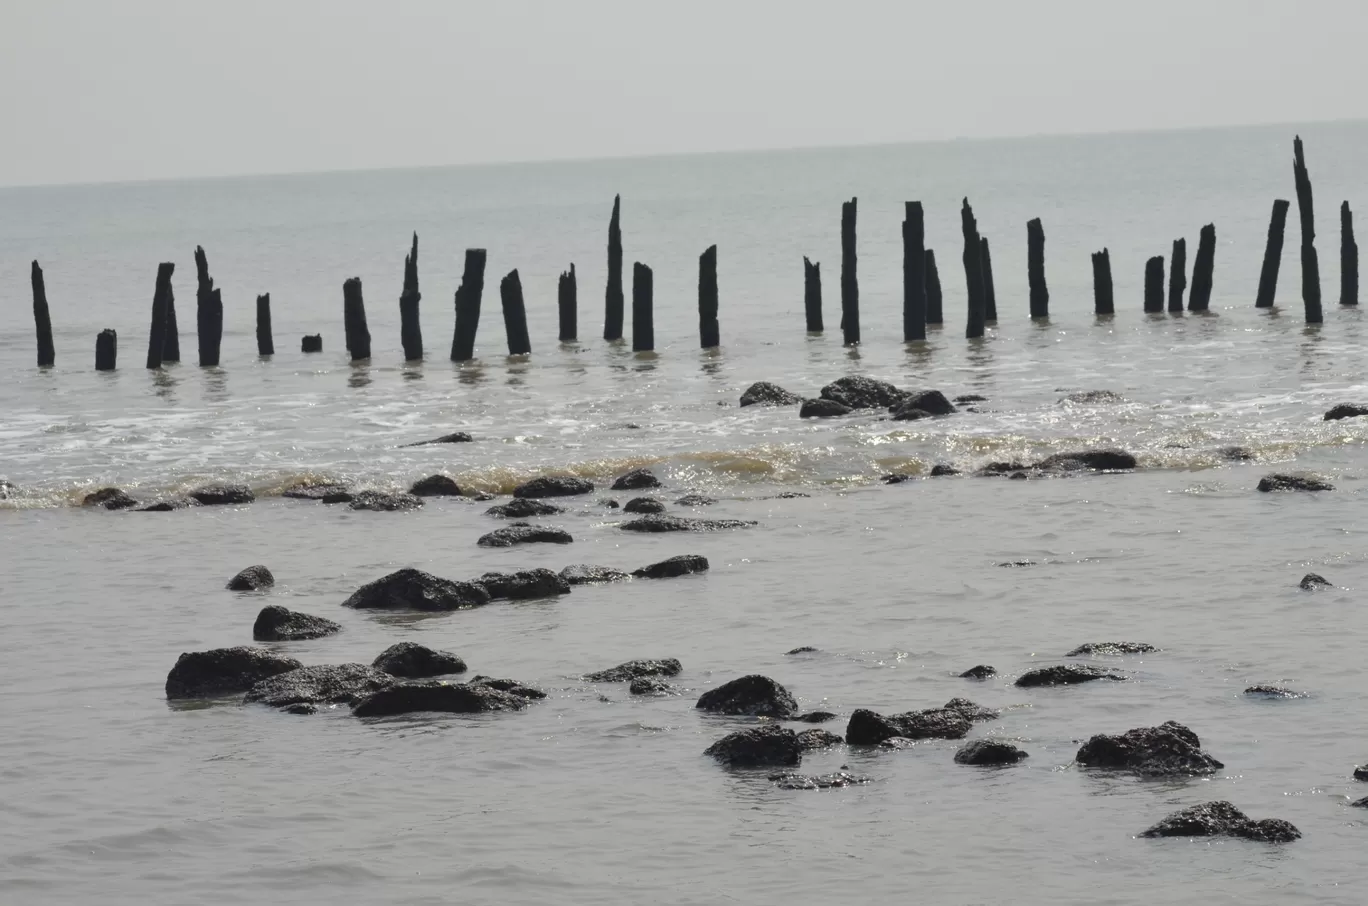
[[97, 91]]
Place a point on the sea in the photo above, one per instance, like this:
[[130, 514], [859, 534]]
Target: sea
[[112, 794]]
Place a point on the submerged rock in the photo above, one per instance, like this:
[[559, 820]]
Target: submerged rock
[[790, 781], [802, 649], [814, 717], [755, 695], [1345, 410], [1361, 772], [650, 685], [763, 393], [632, 670], [253, 578], [1088, 460], [583, 574], [989, 752], [1282, 482], [524, 585], [168, 506], [513, 687], [757, 747], [437, 696], [338, 495], [1272, 692], [683, 565], [1168, 750], [908, 413], [413, 661], [554, 486], [435, 486], [222, 494], [1221, 819], [995, 469], [970, 711], [897, 478], [981, 672], [940, 469], [310, 491], [823, 409], [1093, 397], [868, 728], [521, 509], [224, 671], [643, 505], [1360, 803], [932, 401], [610, 503], [811, 740], [636, 480], [382, 502], [692, 500], [1236, 454], [1016, 564], [301, 708], [324, 684], [109, 499], [413, 589], [278, 624], [1065, 675], [1111, 648], [681, 524], [971, 398], [859, 392], [522, 533], [456, 437], [1312, 582]]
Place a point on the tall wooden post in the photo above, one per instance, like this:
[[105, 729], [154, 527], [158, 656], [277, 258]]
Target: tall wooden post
[[850, 284], [1177, 275], [613, 298], [935, 310], [171, 346], [1199, 299], [1268, 277], [410, 326], [709, 331], [1349, 260], [265, 342], [354, 320], [514, 314], [1103, 301], [42, 319], [1035, 268], [567, 304], [1311, 291], [812, 295], [989, 290], [208, 312], [973, 272], [914, 271], [468, 296], [156, 335], [1154, 284], [643, 300]]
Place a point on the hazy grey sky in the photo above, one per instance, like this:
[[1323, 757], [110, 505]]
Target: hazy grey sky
[[94, 90]]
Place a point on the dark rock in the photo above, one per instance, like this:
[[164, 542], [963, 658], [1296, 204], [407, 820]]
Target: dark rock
[[971, 398], [1093, 397], [610, 503], [1221, 819], [381, 502], [1279, 482], [908, 413], [823, 409], [929, 401], [680, 524], [636, 480], [457, 437], [1345, 410], [521, 509], [868, 728], [859, 392], [582, 574], [277, 624], [643, 505], [168, 506], [755, 695], [994, 469], [337, 495], [524, 585], [1235, 454], [512, 687], [222, 494], [787, 495], [1016, 564], [695, 500], [522, 533], [224, 671], [1360, 803], [324, 684], [1361, 772], [482, 496], [1273, 692], [1018, 476], [253, 578], [313, 491], [941, 468], [814, 717], [1065, 675], [895, 743], [413, 589], [301, 708], [763, 393], [109, 499], [981, 672], [757, 747], [897, 478], [683, 565], [989, 752], [554, 486], [1111, 648], [632, 670], [790, 781], [650, 685], [1168, 750], [413, 661], [435, 486], [804, 649], [1312, 581], [810, 740], [437, 696], [974, 713], [1085, 460]]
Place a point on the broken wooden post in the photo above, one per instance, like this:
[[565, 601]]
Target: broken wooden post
[[567, 301], [410, 329], [208, 312], [989, 292], [1311, 292], [1348, 257], [106, 350], [1177, 275], [1199, 299], [468, 296], [42, 319], [935, 313], [973, 272], [156, 335], [1154, 284], [1103, 303], [613, 298], [1268, 277], [1035, 268], [643, 316], [850, 284], [914, 271], [358, 336], [171, 346], [812, 295], [709, 331], [514, 314], [311, 343], [265, 342]]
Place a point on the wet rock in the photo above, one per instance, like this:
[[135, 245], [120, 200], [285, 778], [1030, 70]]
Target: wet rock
[[1281, 482], [278, 624], [636, 480], [868, 728], [837, 780], [1360, 803], [650, 685], [382, 502], [437, 696], [1016, 564], [823, 409], [554, 486], [1168, 750], [1093, 397], [802, 649], [313, 491], [1345, 410], [337, 495], [859, 392], [994, 469], [1312, 582], [610, 503], [756, 695], [168, 506], [413, 589], [897, 478], [683, 565], [896, 743], [482, 496], [1272, 692], [929, 401], [1111, 648], [787, 495], [1018, 476], [1065, 675], [1087, 460], [224, 671], [524, 585], [522, 509], [633, 670], [435, 486], [974, 713], [325, 684], [222, 494], [695, 500], [981, 672], [1235, 454], [301, 708], [757, 747], [811, 740], [512, 687], [971, 398], [659, 523], [763, 393], [989, 753], [1361, 772], [908, 413], [522, 533], [253, 578], [643, 505], [940, 469], [583, 574], [456, 437], [814, 717], [109, 499], [1221, 819], [413, 661]]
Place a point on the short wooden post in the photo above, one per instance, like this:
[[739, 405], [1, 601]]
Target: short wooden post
[[812, 295], [1268, 277], [1349, 260], [914, 271], [1177, 275], [1154, 284], [208, 312], [358, 336], [643, 316], [709, 331], [1035, 268], [973, 272], [468, 296], [156, 335], [567, 302], [106, 350], [410, 328], [1103, 303], [1202, 266], [265, 342], [311, 343], [514, 314]]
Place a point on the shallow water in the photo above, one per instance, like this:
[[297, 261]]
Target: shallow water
[[112, 795]]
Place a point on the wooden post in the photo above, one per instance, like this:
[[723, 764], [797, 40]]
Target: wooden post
[[1199, 299], [709, 331], [311, 343], [514, 314], [850, 283], [1154, 284], [1035, 268], [1268, 277], [1103, 303], [812, 295], [567, 301], [935, 312], [989, 292], [410, 329], [973, 272], [1349, 261], [156, 335], [358, 336], [106, 350], [613, 298], [1311, 292], [42, 319], [265, 342], [208, 312], [914, 271], [171, 346], [1177, 275], [643, 316], [468, 306]]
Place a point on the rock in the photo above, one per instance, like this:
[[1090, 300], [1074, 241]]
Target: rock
[[413, 661], [636, 480], [435, 486], [940, 469], [837, 780], [994, 469], [525, 585], [522, 533], [1093, 397], [908, 413], [1312, 582], [512, 687], [1065, 675], [932, 402], [521, 509], [253, 578], [787, 495], [381, 502], [437, 696], [695, 500], [610, 503], [222, 494], [337, 495], [1018, 476], [823, 409], [811, 740], [971, 398], [989, 752], [583, 574], [763, 393], [683, 565], [757, 747], [313, 491], [482, 496], [650, 685], [643, 505], [1361, 772], [1280, 482], [814, 717], [859, 392], [413, 589], [1345, 410], [109, 499], [301, 708], [168, 506], [755, 695], [1111, 648], [974, 713], [896, 743], [802, 649], [324, 684], [456, 437], [553, 486], [224, 671], [633, 670], [277, 624], [897, 478], [1273, 692], [981, 672], [1087, 460], [680, 524], [1361, 803], [1168, 750], [1016, 564], [1221, 819], [867, 728], [1235, 454]]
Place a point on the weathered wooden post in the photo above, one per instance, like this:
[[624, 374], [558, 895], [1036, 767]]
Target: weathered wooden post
[[156, 335], [1177, 275], [1103, 302], [265, 342], [468, 296], [643, 315], [1268, 277], [106, 350], [1349, 261], [311, 343], [567, 301], [1035, 268], [973, 272], [1154, 284], [850, 283], [171, 346], [42, 319], [935, 312], [208, 311], [410, 328], [989, 292], [358, 336], [613, 298], [1311, 291], [514, 314], [709, 331], [812, 295], [914, 271], [1199, 299]]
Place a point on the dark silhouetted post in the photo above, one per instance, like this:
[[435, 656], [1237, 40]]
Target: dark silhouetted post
[[935, 312], [265, 342], [812, 295], [850, 283], [42, 320], [410, 329], [643, 315], [567, 301], [1035, 268], [1199, 299], [1268, 277], [171, 347], [311, 343], [1348, 258], [106, 350], [1311, 291], [973, 272], [914, 271], [514, 314], [1177, 275], [156, 335], [989, 292], [358, 336], [1154, 284], [468, 296], [613, 298], [1103, 303], [208, 312], [709, 331]]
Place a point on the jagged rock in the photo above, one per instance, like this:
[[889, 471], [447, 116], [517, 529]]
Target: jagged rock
[[868, 728], [790, 781], [632, 670], [437, 696], [583, 574], [168, 506], [301, 708], [859, 392], [895, 743], [1221, 819], [338, 495], [1361, 772], [381, 502], [1168, 750], [554, 486], [897, 478], [1065, 675], [680, 524], [811, 740], [814, 717], [1280, 482], [1345, 410], [277, 624], [683, 565], [313, 491], [989, 752], [224, 671], [1273, 692], [522, 533], [802, 649], [456, 437], [109, 499], [323, 684], [692, 500], [1093, 397], [253, 578], [940, 469], [908, 413], [636, 480], [981, 672], [1087, 460], [1111, 648], [1312, 582], [413, 661], [823, 409], [757, 747], [787, 495], [755, 695], [971, 398], [435, 486], [222, 494], [1016, 564], [1235, 454], [932, 402], [763, 393], [512, 687], [650, 685], [413, 589], [1018, 476], [482, 496], [643, 505], [994, 469], [970, 711], [521, 509], [524, 585], [1360, 803]]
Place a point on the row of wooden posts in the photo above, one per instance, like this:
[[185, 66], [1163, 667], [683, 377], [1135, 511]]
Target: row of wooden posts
[[922, 297]]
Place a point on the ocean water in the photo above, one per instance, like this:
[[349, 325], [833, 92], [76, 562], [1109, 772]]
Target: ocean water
[[111, 794]]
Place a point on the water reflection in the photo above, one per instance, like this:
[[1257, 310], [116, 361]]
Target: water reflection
[[471, 373], [413, 371], [215, 384], [360, 374], [712, 361], [645, 360], [164, 383]]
